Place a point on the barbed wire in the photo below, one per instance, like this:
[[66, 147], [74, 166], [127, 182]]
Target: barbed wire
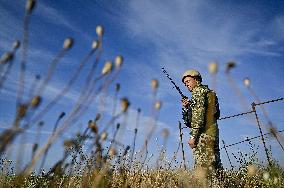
[[270, 101], [236, 115], [248, 139], [249, 112], [228, 117], [252, 111]]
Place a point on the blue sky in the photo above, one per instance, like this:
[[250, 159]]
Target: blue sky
[[177, 35]]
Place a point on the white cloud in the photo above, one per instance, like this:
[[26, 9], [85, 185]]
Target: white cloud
[[11, 22], [185, 35], [194, 31], [54, 16], [58, 18]]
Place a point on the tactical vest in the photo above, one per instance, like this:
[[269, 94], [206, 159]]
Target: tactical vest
[[212, 114]]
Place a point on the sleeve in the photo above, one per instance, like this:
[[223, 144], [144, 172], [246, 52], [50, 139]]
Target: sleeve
[[186, 116], [217, 113], [198, 112]]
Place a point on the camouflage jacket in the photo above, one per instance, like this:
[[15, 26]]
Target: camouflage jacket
[[194, 115], [186, 116]]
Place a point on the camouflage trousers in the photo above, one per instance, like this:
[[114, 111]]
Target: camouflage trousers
[[207, 153]]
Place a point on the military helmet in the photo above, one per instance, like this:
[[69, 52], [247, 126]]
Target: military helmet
[[191, 73]]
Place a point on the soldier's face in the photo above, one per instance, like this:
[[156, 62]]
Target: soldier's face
[[190, 83]]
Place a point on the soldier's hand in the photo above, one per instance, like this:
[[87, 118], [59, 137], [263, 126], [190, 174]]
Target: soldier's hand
[[185, 102], [191, 142]]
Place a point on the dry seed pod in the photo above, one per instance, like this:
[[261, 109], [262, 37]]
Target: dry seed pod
[[247, 82], [30, 5], [266, 175], [100, 30], [41, 123], [117, 87], [230, 65], [95, 44], [213, 67], [16, 45], [252, 169], [35, 146], [118, 126], [158, 105], [98, 117], [118, 61], [126, 150], [78, 134], [61, 115], [107, 67], [124, 104], [154, 84], [68, 144], [68, 43], [36, 100], [89, 122], [93, 126], [165, 133], [112, 152], [104, 136], [8, 56]]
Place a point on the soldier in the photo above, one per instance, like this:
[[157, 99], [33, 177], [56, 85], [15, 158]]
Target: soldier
[[201, 114]]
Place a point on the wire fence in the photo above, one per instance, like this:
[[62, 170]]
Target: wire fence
[[273, 131], [249, 139]]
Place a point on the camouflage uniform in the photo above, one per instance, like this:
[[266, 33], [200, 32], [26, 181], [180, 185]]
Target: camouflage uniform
[[201, 116]]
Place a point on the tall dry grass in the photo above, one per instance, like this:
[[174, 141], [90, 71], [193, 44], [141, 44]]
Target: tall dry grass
[[106, 162]]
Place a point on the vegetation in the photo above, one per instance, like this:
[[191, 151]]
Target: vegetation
[[99, 164]]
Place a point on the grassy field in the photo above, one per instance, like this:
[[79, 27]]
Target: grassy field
[[101, 164], [121, 176]]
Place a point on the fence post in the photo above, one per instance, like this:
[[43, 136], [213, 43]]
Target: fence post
[[180, 135], [262, 138]]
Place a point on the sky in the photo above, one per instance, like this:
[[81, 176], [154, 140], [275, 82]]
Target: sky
[[177, 35]]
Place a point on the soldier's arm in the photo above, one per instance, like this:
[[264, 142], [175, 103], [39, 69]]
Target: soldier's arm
[[186, 116], [198, 112], [217, 113]]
